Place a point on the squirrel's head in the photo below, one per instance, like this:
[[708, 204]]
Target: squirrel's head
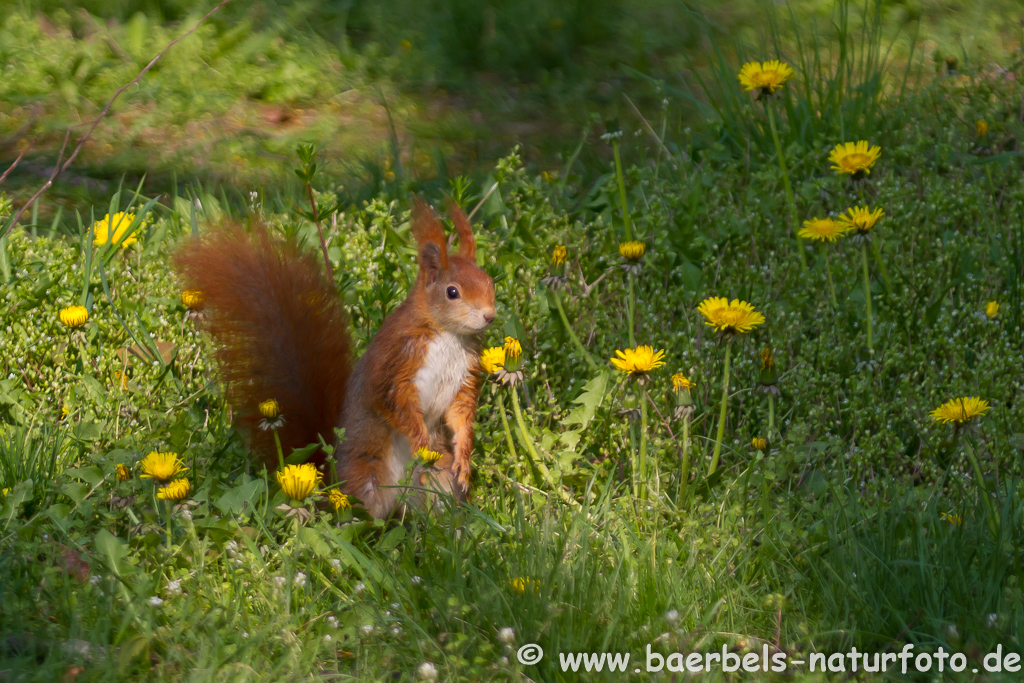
[[459, 294]]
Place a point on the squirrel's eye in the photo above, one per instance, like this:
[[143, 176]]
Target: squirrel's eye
[[452, 292]]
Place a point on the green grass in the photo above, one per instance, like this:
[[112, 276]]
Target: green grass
[[865, 525]]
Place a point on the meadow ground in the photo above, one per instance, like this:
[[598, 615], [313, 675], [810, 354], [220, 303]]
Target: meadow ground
[[835, 466]]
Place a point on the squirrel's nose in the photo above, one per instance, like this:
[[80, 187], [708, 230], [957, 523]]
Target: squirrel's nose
[[489, 315]]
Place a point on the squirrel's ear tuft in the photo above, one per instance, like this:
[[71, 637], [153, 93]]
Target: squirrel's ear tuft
[[467, 243], [430, 262], [430, 238]]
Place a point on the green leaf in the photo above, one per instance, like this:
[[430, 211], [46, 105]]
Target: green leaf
[[301, 455], [90, 475], [58, 512], [242, 497], [391, 539], [76, 491], [593, 393], [88, 431], [570, 438], [10, 503], [113, 551], [312, 538]]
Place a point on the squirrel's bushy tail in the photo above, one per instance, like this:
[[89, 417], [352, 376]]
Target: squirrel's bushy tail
[[280, 330]]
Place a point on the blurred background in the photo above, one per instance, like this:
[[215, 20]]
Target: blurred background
[[415, 91]]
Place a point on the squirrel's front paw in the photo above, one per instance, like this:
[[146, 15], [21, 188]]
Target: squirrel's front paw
[[461, 470]]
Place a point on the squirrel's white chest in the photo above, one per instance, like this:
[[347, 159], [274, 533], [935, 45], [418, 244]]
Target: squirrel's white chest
[[445, 368]]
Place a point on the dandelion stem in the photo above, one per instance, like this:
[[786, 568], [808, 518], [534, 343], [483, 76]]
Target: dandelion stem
[[881, 268], [867, 293], [875, 250], [280, 452], [643, 445], [508, 431], [993, 519], [828, 274], [765, 509], [786, 184], [721, 412], [626, 220], [631, 308], [572, 333], [771, 416], [527, 441], [686, 459], [170, 521]]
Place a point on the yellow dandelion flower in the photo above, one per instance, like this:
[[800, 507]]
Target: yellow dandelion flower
[[338, 500], [270, 408], [759, 443], [632, 251], [861, 218], [765, 76], [521, 583], [680, 382], [513, 349], [428, 457], [982, 127], [5, 491], [854, 158], [74, 316], [161, 466], [492, 359], [298, 481], [992, 309], [176, 490], [193, 299], [737, 317], [767, 359], [955, 520], [822, 229], [558, 255], [960, 410], [123, 473], [639, 361], [110, 229]]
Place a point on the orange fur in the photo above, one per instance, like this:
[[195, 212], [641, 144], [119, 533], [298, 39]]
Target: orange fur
[[416, 385], [282, 333]]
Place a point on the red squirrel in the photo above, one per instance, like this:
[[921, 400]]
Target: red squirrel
[[282, 333]]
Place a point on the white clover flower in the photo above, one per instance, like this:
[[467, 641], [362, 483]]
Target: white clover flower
[[327, 637], [279, 581], [332, 621], [427, 671], [335, 564], [359, 588], [300, 579], [155, 601], [367, 629], [507, 635], [672, 616], [417, 580], [173, 588]]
